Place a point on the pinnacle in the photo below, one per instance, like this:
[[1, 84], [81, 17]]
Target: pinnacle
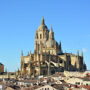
[[51, 29], [22, 53], [78, 52], [42, 21], [82, 54]]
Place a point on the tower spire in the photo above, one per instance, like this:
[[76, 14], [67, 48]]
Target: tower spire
[[42, 21], [82, 54], [28, 52], [51, 29], [51, 34], [22, 53], [60, 43], [60, 47], [77, 52]]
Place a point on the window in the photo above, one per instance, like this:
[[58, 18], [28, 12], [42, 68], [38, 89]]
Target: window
[[40, 36], [60, 61], [37, 36], [69, 62], [86, 84]]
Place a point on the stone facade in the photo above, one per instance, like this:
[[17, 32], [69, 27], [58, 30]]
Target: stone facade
[[1, 68], [48, 56]]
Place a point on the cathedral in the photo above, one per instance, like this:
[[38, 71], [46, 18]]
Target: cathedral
[[48, 56]]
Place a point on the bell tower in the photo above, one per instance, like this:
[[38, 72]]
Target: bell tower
[[42, 35]]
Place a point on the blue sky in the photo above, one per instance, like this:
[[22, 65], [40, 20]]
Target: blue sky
[[19, 19]]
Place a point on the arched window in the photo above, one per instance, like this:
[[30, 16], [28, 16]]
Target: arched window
[[40, 36], [69, 62], [37, 36]]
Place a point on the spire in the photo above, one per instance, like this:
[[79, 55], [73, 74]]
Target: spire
[[42, 21], [51, 34], [23, 62], [28, 52], [77, 52], [51, 29], [82, 54], [22, 53], [60, 43], [60, 47]]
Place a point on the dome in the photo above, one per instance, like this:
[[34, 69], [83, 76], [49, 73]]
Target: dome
[[42, 27], [50, 43]]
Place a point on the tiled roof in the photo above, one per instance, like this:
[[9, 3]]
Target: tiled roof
[[85, 86]]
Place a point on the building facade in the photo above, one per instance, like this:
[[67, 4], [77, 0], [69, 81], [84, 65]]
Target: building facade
[[48, 56], [1, 68]]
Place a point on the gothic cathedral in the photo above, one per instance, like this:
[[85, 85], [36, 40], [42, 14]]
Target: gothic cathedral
[[48, 56]]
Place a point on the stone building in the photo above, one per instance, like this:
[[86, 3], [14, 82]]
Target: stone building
[[48, 56], [1, 68]]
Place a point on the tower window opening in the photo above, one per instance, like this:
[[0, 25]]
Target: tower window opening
[[37, 36], [40, 36], [69, 63]]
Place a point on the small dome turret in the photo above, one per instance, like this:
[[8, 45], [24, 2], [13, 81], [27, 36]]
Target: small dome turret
[[50, 43], [42, 26]]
